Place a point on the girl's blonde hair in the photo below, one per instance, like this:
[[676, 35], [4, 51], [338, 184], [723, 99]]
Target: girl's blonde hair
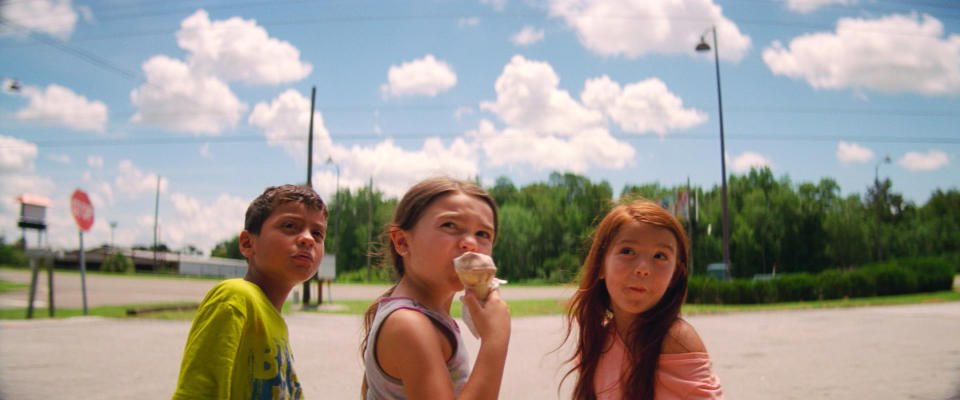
[[408, 212], [590, 307]]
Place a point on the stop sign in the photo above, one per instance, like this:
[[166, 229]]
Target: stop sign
[[82, 210]]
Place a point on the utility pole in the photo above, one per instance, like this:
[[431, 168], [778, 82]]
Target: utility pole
[[313, 96]]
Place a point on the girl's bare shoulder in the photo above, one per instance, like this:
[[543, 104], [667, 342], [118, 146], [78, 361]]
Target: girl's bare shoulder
[[682, 338]]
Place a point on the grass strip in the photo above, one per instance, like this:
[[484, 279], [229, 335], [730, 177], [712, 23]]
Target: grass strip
[[518, 308], [6, 286]]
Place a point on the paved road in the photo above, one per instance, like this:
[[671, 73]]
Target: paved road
[[125, 290], [897, 352]]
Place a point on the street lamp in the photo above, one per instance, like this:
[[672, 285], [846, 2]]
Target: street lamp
[[703, 46], [876, 184]]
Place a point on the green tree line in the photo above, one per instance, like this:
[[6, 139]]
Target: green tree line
[[545, 227]]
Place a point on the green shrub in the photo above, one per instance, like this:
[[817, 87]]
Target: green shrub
[[933, 274], [729, 292], [117, 262], [562, 269], [892, 279], [862, 283], [702, 290], [12, 254], [796, 287], [765, 291], [833, 284]]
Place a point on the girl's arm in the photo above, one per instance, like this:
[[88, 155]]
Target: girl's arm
[[492, 321], [412, 349]]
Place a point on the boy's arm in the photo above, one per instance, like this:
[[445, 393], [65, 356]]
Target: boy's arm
[[209, 356]]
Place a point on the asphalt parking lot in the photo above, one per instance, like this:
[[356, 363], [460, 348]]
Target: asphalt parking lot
[[894, 352]]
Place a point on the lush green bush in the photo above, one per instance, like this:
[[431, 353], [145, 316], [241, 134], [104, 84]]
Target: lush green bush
[[796, 287], [933, 274], [117, 262], [729, 292], [765, 291], [892, 279], [862, 283], [12, 254], [833, 284], [703, 290], [562, 269]]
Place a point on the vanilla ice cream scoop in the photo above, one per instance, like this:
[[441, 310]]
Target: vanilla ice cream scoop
[[477, 272]]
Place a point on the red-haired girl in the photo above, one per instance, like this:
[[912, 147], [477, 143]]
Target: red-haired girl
[[632, 343]]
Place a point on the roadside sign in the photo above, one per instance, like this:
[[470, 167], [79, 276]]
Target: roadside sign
[[82, 210]]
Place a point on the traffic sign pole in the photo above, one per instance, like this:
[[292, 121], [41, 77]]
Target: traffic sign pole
[[83, 274], [82, 211]]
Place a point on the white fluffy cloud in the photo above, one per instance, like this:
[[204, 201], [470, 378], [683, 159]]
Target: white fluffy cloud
[[60, 158], [646, 106], [176, 99], [528, 98], [16, 155], [498, 5], [576, 152], [56, 18], [892, 54], [285, 121], [61, 106], [747, 160], [134, 182], [393, 168], [808, 6], [932, 160], [17, 177], [203, 223], [425, 77], [547, 128], [239, 50], [633, 28], [95, 161], [853, 153], [527, 36]]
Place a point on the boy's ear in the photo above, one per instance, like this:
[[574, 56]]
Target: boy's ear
[[246, 243], [398, 239]]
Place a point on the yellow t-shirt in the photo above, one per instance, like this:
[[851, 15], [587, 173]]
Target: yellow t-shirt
[[237, 348]]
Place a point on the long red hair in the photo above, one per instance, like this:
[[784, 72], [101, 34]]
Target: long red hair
[[590, 307]]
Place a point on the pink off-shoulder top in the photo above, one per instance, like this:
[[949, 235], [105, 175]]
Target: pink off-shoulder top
[[679, 376]]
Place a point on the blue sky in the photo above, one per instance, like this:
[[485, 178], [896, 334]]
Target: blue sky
[[213, 98]]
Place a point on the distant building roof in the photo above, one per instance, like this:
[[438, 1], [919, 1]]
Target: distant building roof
[[34, 199]]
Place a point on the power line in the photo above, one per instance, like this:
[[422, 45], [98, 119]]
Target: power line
[[411, 17], [83, 55], [365, 136]]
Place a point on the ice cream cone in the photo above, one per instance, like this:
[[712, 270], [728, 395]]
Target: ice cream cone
[[477, 272]]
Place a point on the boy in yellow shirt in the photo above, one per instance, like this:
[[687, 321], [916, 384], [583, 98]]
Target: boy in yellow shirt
[[238, 346]]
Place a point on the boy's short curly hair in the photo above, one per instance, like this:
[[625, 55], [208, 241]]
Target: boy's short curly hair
[[273, 196]]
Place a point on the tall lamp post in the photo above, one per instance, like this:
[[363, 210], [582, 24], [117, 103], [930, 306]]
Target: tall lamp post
[[876, 185], [703, 46]]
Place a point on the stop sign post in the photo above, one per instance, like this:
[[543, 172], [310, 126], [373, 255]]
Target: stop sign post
[[82, 211]]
